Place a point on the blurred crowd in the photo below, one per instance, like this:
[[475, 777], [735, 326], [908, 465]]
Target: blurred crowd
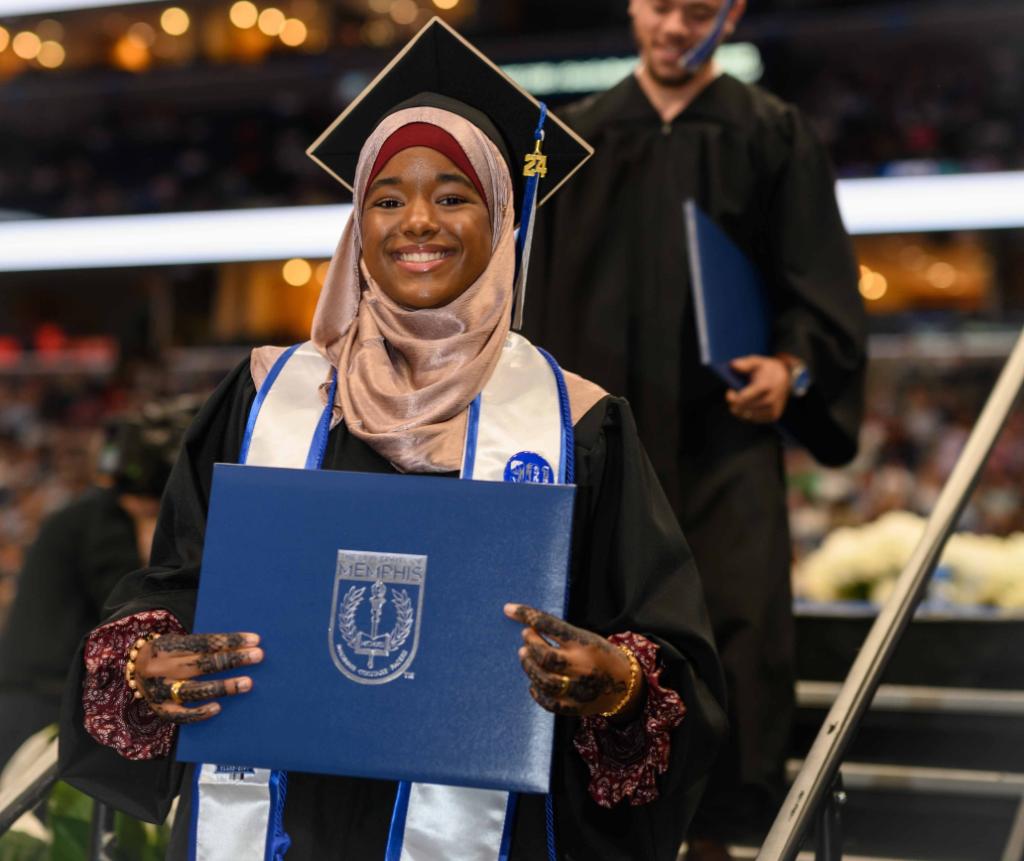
[[930, 108], [155, 160], [890, 108], [917, 423], [52, 430]]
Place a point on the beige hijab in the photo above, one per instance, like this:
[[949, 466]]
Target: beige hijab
[[407, 377]]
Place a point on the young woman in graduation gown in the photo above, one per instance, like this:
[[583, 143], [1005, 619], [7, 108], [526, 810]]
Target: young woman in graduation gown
[[414, 312]]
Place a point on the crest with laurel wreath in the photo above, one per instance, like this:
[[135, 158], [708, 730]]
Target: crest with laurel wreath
[[377, 652]]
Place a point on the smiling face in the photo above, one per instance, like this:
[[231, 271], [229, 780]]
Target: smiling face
[[666, 29], [426, 230]]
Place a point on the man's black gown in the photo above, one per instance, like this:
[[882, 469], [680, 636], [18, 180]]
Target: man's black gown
[[631, 570], [82, 551], [610, 296]]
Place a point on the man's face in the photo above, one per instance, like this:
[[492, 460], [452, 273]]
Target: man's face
[[666, 29]]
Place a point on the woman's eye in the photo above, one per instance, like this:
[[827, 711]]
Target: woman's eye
[[451, 200], [387, 203]]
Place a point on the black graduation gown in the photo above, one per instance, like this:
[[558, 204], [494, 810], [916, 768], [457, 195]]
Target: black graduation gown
[[81, 552], [631, 570], [609, 294]]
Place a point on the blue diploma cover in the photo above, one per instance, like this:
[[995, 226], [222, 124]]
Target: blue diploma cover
[[379, 601], [729, 297]]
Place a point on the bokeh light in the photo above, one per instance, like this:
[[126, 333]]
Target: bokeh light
[[941, 275], [144, 32], [873, 285], [404, 12], [51, 54], [5, 39], [379, 32], [271, 21], [321, 271], [26, 45], [174, 21], [244, 14], [293, 33], [131, 53], [297, 272], [50, 30], [446, 4]]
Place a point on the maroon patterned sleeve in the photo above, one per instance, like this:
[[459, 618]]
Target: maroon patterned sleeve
[[112, 714], [625, 760]]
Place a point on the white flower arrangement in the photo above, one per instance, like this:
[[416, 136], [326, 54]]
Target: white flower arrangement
[[862, 563]]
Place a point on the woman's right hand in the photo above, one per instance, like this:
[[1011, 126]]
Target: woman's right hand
[[184, 659]]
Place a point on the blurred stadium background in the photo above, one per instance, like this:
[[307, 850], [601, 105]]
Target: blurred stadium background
[[158, 216]]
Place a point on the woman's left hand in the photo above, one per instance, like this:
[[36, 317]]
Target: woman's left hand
[[583, 675]]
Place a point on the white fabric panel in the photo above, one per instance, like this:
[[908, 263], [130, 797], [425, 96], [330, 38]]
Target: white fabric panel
[[291, 411]]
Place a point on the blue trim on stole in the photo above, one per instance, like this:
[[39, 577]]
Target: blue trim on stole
[[193, 824], [566, 475], [397, 830], [278, 840], [261, 396], [472, 426], [505, 852], [323, 428]]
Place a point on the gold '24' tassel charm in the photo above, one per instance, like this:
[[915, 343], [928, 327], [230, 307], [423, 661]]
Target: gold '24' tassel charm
[[536, 162]]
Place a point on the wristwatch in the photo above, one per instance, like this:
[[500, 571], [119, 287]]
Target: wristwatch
[[799, 375]]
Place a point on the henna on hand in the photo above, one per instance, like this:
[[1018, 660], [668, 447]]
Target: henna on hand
[[546, 683], [194, 715], [586, 689], [555, 706], [157, 689], [220, 661], [181, 715], [557, 629], [203, 643], [547, 658], [572, 671]]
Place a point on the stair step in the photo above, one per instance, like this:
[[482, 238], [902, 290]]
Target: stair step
[[920, 698], [912, 778], [742, 853]]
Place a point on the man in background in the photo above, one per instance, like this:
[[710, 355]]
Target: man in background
[[82, 550], [611, 297]]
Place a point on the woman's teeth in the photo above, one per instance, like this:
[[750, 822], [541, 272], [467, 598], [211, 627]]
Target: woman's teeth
[[421, 256]]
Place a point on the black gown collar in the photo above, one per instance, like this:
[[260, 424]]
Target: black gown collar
[[626, 102]]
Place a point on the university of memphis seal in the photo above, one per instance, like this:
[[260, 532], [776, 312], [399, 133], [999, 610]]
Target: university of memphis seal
[[528, 467], [375, 614]]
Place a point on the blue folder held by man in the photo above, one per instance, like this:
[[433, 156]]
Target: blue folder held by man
[[379, 600], [730, 298]]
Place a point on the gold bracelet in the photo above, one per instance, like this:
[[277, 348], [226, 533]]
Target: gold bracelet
[[634, 681], [129, 667]]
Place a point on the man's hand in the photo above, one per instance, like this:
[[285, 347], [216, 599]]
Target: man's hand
[[764, 398], [168, 671]]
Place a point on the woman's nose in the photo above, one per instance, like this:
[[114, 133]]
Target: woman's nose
[[419, 218]]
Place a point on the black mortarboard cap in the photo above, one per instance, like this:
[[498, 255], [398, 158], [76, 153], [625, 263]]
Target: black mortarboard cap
[[438, 67]]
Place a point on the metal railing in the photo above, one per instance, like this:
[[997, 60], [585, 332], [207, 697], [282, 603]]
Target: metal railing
[[817, 791], [31, 788]]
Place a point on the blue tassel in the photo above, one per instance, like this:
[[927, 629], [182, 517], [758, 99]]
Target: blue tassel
[[700, 54], [525, 237]]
